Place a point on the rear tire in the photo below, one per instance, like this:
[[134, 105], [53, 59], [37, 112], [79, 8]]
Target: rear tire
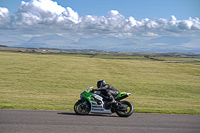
[[129, 110], [82, 108]]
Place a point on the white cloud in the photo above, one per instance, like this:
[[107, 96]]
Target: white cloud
[[4, 18], [3, 12], [48, 15], [152, 25], [40, 13]]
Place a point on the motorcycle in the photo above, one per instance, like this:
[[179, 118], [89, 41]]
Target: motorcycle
[[97, 103]]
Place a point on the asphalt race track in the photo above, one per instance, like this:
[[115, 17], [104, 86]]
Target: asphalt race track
[[32, 121]]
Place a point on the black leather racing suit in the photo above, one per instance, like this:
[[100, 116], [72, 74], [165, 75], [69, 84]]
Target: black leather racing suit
[[108, 90]]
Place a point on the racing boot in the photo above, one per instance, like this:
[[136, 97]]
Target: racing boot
[[112, 102]]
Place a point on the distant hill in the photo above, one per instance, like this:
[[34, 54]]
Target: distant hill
[[170, 40], [106, 44], [48, 41], [107, 41], [156, 45], [54, 37], [3, 46], [4, 38]]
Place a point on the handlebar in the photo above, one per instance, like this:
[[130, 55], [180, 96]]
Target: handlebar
[[88, 88]]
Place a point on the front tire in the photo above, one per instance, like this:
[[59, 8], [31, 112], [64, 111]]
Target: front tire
[[82, 108], [128, 111]]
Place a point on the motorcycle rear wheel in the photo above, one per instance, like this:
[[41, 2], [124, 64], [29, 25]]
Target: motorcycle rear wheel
[[82, 108], [126, 113]]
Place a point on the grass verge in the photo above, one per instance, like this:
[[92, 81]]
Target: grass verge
[[54, 82]]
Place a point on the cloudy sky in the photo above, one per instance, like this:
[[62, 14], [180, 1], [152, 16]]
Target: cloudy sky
[[128, 19]]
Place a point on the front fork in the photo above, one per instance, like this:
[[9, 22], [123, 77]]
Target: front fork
[[84, 102]]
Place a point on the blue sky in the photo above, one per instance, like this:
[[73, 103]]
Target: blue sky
[[138, 8], [143, 21]]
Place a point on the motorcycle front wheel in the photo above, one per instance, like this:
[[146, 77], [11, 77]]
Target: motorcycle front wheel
[[129, 109], [82, 108]]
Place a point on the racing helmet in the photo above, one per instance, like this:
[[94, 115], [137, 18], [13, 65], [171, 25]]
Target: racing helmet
[[100, 83]]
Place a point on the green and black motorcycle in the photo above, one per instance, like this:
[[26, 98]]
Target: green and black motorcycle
[[97, 103]]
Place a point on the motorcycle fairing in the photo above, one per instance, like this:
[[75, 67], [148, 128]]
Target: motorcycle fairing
[[123, 95], [95, 108], [93, 99], [88, 95]]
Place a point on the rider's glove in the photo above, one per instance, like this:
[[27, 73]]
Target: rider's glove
[[92, 90]]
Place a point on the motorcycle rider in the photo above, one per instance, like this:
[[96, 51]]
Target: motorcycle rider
[[107, 90]]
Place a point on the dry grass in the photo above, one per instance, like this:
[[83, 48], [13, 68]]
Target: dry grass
[[54, 82]]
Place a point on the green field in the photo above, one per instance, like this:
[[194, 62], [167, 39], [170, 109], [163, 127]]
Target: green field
[[54, 82]]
